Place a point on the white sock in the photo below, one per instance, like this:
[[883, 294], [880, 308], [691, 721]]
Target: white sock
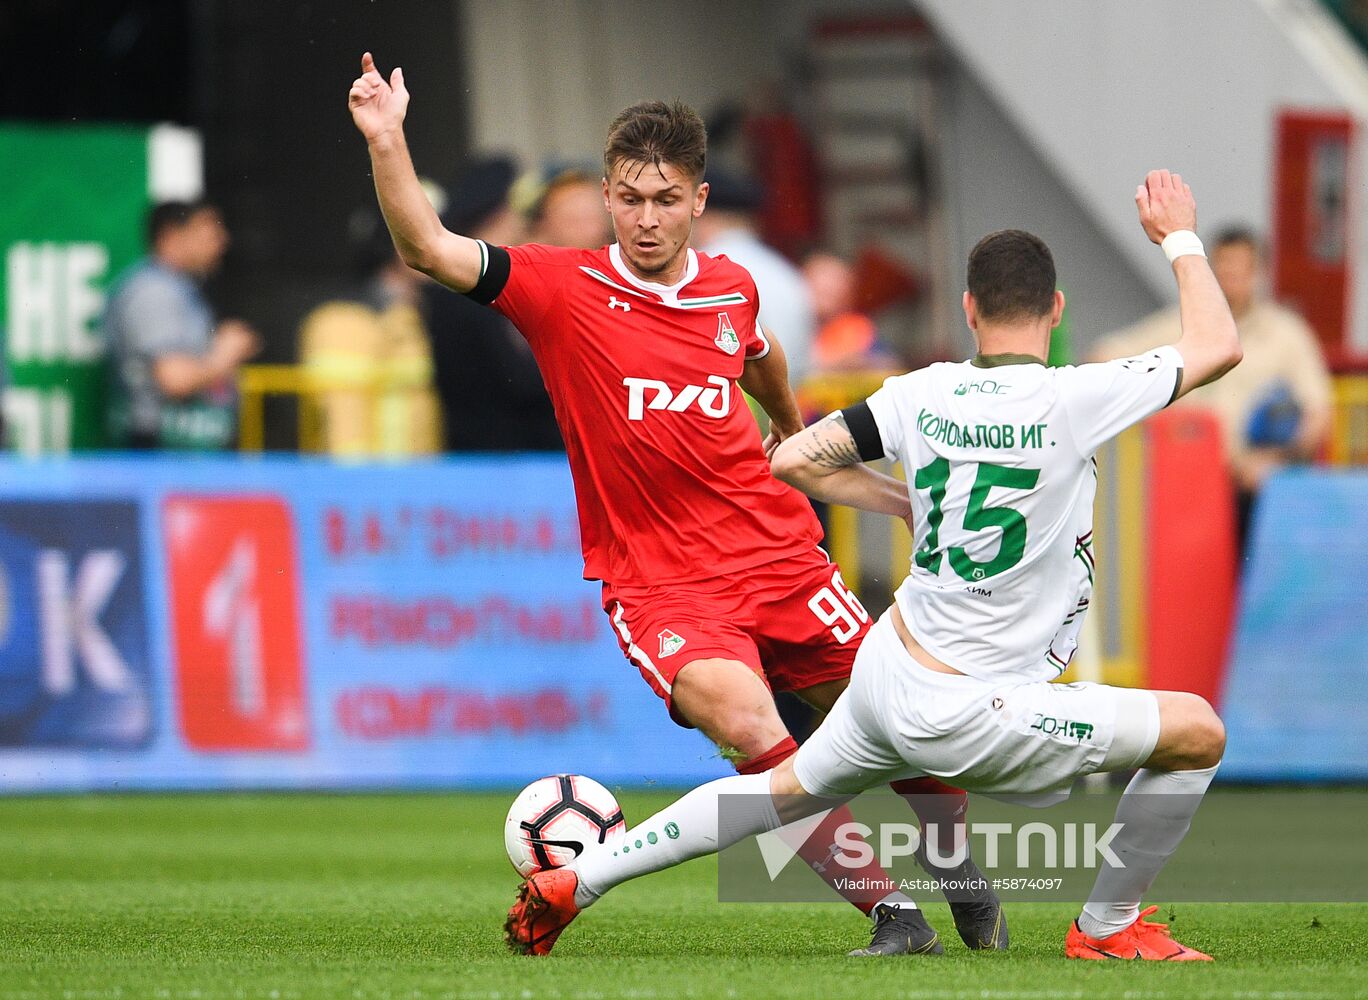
[[1156, 810], [686, 829], [899, 899]]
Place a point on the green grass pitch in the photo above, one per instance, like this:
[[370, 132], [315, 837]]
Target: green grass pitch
[[402, 897]]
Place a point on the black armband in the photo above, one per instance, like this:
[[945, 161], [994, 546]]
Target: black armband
[[493, 276], [865, 431], [1177, 387]]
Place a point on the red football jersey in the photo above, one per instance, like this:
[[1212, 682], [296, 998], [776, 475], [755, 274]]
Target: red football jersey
[[670, 478]]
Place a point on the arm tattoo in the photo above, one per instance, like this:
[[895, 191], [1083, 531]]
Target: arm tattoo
[[829, 444]]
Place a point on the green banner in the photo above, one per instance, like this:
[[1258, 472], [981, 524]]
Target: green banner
[[70, 222]]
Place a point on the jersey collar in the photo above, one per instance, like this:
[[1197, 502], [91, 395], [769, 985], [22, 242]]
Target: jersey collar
[[998, 360], [669, 294]]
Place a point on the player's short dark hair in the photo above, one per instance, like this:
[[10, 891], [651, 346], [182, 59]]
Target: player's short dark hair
[[172, 215], [652, 133], [1012, 276], [1230, 236]]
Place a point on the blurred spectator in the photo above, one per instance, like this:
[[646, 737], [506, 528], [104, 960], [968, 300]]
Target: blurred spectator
[[761, 134], [493, 397], [728, 227], [569, 212], [846, 338], [1274, 407], [370, 356], [174, 368]]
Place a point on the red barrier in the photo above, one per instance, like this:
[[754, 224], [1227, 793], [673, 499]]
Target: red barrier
[[1190, 548], [1315, 199]]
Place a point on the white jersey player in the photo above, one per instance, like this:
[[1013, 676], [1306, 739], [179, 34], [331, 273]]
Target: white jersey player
[[999, 459], [954, 680]]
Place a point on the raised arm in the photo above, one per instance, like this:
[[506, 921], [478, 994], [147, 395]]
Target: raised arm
[[1209, 344], [378, 108], [824, 462]]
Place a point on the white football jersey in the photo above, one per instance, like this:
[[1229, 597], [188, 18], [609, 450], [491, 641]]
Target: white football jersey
[[999, 465]]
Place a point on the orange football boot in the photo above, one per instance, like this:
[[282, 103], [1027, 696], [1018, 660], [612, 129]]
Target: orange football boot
[[1141, 940], [545, 907]]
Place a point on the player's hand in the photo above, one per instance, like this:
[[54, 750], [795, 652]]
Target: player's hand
[[771, 444], [1165, 204], [377, 107], [776, 436], [234, 342]]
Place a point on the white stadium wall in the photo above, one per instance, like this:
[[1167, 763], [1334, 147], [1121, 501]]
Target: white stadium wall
[[1104, 91], [546, 78], [1051, 111], [995, 179]]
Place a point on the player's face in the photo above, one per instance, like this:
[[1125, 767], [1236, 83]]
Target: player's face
[[653, 208], [204, 241]]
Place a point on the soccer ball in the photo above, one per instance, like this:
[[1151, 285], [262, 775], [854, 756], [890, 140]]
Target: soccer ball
[[553, 819]]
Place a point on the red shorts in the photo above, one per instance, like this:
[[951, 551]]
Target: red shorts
[[794, 622]]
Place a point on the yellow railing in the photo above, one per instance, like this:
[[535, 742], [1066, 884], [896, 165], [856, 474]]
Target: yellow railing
[[1349, 428], [255, 383], [309, 387], [874, 552], [1118, 510], [819, 395], [1115, 651], [822, 394]]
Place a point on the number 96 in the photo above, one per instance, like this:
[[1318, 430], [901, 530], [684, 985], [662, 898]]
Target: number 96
[[835, 606]]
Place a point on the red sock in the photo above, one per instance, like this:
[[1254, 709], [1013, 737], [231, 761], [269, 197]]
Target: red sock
[[818, 850], [819, 847], [940, 808]]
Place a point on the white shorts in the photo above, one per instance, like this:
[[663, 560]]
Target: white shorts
[[1028, 740]]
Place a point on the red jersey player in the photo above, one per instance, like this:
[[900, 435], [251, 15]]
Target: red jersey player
[[711, 573]]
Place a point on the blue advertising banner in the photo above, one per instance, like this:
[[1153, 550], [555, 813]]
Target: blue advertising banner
[[278, 622], [74, 668], [1296, 698]]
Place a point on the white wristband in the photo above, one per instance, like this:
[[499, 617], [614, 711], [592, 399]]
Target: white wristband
[[1181, 243]]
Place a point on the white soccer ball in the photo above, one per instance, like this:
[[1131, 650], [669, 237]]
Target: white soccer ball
[[555, 818]]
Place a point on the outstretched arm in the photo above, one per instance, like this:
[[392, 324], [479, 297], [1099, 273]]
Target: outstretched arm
[[1210, 344], [824, 462], [378, 108]]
